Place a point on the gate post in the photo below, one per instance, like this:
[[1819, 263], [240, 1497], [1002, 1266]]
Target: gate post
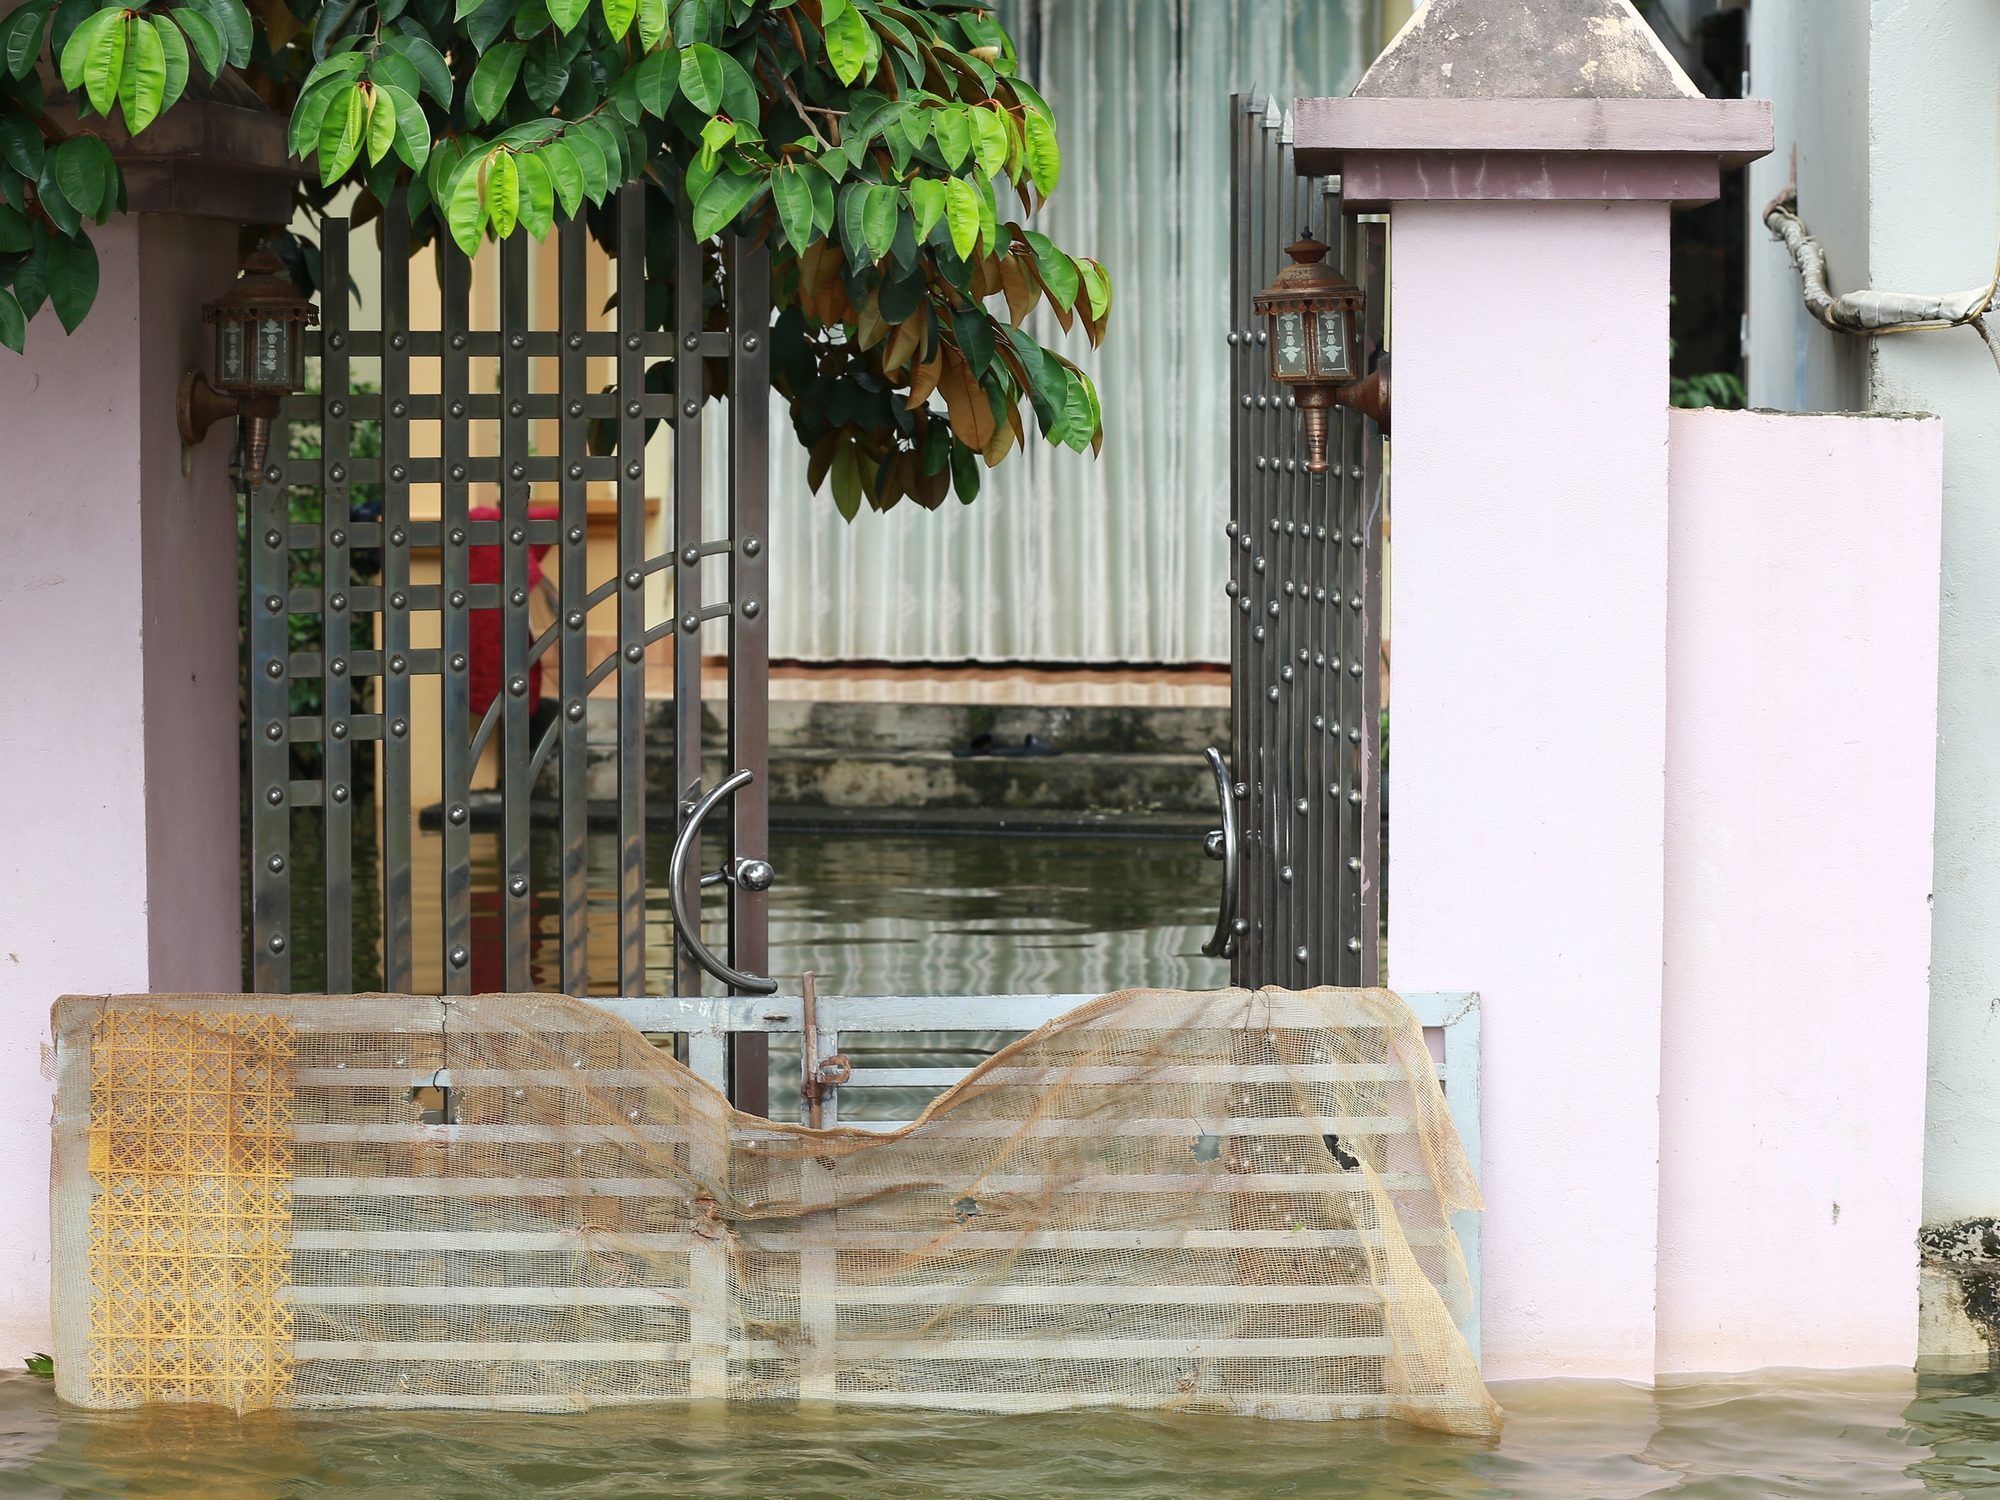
[[1529, 157], [118, 728]]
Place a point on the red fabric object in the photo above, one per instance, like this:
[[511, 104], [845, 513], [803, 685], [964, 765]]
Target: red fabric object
[[485, 568]]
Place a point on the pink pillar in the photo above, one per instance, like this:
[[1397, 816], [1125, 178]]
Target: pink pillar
[[1529, 734], [118, 758], [1801, 742]]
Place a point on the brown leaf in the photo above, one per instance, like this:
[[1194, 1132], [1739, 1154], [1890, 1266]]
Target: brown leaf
[[872, 328], [1022, 288], [822, 459], [987, 268], [280, 25], [1003, 440], [965, 398], [932, 488], [908, 340], [924, 379]]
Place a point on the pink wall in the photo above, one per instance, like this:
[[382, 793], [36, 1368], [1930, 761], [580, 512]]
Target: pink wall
[[1530, 735], [1802, 692], [117, 773]]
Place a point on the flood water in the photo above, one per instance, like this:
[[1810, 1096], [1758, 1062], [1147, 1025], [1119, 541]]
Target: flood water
[[1874, 1433]]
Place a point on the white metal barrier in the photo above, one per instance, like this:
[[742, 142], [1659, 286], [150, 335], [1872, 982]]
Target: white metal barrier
[[1450, 1019]]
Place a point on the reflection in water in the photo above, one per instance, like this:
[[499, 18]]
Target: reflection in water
[[1783, 1433], [887, 914]]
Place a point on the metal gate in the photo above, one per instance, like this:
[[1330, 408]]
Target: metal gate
[[1302, 813], [366, 664]]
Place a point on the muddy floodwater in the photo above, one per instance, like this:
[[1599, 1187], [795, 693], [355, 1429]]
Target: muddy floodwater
[[1877, 1433]]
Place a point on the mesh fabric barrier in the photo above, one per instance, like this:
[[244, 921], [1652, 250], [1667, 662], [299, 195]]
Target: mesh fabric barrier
[[1216, 1202]]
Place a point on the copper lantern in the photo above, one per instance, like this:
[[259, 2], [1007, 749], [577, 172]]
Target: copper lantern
[[260, 352], [1313, 325]]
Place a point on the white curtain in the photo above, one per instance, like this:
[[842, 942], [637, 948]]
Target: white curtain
[[1065, 558]]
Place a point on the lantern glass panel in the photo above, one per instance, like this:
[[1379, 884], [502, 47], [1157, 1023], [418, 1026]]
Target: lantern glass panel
[[230, 355], [1288, 345], [274, 364], [1331, 353]]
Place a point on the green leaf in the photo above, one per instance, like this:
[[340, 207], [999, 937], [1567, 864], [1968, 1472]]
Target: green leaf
[[175, 49], [413, 131], [739, 97], [566, 13], [13, 327], [652, 23], [1057, 270], [340, 134], [618, 16], [393, 68], [466, 212], [105, 66], [701, 77], [716, 134], [545, 75], [21, 40], [503, 193], [531, 19], [232, 21], [76, 52], [868, 114], [989, 214], [80, 172], [381, 125], [493, 80], [847, 40], [989, 140], [822, 195], [961, 213], [15, 236], [55, 203], [613, 144], [486, 23], [590, 162], [953, 132], [656, 80], [1039, 150], [72, 278], [726, 196], [31, 277], [793, 197], [878, 217], [142, 84], [846, 475], [1097, 286], [201, 35], [1079, 418], [927, 203], [428, 62], [537, 195], [21, 144], [564, 174], [964, 472], [309, 114]]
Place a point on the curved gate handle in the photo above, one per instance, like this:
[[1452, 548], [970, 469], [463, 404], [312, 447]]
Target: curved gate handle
[[690, 931], [1222, 845]]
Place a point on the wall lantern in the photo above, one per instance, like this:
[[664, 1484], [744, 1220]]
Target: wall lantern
[[259, 357], [1313, 312]]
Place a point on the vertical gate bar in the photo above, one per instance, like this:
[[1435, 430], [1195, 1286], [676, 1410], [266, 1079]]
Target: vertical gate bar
[[631, 590], [1285, 488], [269, 566], [1269, 747], [336, 756], [1375, 265], [398, 959], [574, 317], [516, 898], [1239, 566], [1341, 880], [686, 532], [749, 636], [455, 620]]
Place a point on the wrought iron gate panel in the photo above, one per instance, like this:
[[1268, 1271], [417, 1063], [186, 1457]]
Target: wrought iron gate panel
[[1305, 595], [386, 668]]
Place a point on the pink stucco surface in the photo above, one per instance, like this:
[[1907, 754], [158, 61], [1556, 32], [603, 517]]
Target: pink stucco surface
[[1801, 743], [117, 727], [1528, 780]]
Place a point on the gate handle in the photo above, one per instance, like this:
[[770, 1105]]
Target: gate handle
[[690, 931], [1222, 845]]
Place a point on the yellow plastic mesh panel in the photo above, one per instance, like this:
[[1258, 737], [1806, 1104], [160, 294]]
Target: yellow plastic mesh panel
[[1219, 1202], [190, 1216]]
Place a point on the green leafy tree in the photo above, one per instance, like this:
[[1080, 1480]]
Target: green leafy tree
[[877, 147]]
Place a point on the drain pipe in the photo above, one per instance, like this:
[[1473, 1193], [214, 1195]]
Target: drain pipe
[[1872, 313]]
